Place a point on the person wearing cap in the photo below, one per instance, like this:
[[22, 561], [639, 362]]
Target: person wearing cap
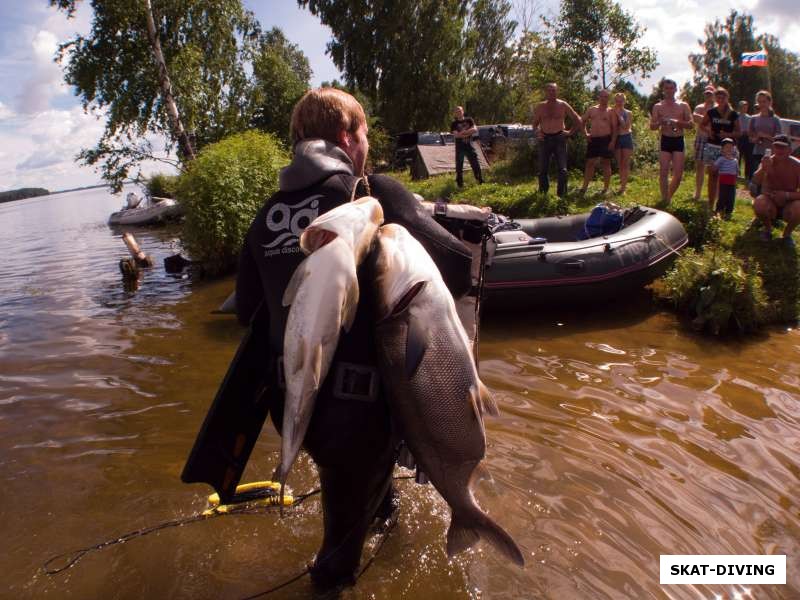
[[700, 140], [727, 169], [720, 122], [779, 177]]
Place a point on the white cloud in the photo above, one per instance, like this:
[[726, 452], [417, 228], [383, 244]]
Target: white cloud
[[5, 112]]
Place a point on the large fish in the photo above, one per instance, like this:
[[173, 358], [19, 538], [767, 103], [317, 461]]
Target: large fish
[[435, 394], [323, 294]]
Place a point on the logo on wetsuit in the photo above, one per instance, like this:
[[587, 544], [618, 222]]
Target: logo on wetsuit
[[289, 221]]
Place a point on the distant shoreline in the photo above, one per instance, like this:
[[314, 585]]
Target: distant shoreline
[[24, 193]]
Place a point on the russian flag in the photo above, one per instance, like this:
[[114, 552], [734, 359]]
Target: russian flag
[[754, 59]]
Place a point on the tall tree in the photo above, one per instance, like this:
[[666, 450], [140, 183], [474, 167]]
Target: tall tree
[[281, 74], [719, 62], [405, 55], [489, 60], [194, 83], [601, 33]]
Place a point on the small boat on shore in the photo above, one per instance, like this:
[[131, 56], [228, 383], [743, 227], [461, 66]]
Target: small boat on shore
[[154, 210], [543, 261]]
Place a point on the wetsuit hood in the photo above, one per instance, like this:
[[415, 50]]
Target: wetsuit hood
[[313, 161]]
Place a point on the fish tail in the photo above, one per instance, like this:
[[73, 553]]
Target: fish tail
[[466, 529]]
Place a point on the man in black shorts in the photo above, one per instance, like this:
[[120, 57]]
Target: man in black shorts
[[600, 126], [671, 117]]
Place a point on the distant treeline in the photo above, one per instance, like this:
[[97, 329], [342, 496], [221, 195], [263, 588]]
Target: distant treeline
[[22, 193]]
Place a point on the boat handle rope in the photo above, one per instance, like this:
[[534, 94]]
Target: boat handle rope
[[618, 244]]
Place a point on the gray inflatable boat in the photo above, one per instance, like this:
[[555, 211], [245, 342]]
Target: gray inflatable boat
[[539, 262]]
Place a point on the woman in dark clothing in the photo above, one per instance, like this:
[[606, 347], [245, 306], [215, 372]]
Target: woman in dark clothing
[[719, 123]]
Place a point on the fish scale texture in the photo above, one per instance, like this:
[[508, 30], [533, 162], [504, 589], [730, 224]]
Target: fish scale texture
[[434, 407]]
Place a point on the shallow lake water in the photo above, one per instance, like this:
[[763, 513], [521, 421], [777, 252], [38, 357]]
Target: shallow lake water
[[622, 437]]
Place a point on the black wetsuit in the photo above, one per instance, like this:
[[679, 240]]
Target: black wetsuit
[[350, 440]]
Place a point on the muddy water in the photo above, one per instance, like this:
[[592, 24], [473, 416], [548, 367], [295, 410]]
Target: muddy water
[[622, 438]]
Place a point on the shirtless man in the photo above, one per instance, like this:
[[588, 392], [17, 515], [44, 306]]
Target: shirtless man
[[600, 126], [779, 176], [701, 139], [548, 121], [671, 117]]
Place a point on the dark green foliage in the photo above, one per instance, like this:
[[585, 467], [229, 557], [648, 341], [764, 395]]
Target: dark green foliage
[[696, 219], [489, 62], [717, 290], [221, 192], [161, 185], [719, 62], [601, 34], [281, 75], [22, 193], [220, 64], [405, 56]]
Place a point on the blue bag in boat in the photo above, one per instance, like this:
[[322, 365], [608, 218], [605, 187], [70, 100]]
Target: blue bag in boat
[[603, 220]]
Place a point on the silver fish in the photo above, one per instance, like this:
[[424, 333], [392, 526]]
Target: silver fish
[[323, 294], [435, 394]]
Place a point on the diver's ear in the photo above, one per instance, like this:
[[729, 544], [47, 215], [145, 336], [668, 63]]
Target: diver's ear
[[314, 238], [408, 297]]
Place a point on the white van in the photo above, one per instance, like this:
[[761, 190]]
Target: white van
[[791, 128]]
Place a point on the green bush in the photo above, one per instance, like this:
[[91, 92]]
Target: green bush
[[696, 219], [162, 185], [716, 290], [221, 192]]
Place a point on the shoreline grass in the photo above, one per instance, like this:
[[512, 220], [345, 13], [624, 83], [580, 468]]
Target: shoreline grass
[[728, 281]]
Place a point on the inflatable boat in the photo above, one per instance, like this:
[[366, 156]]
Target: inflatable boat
[[537, 262], [155, 210], [541, 262]]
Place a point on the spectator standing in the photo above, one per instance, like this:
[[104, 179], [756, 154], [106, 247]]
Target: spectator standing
[[779, 177], [549, 122], [463, 128], [745, 145], [727, 169], [720, 122], [763, 128], [624, 147], [671, 117], [600, 126], [701, 139]]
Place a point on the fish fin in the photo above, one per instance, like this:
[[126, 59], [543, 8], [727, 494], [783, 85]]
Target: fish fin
[[350, 306], [314, 238], [460, 537], [299, 275], [487, 403], [408, 297], [416, 344], [481, 473], [316, 365], [301, 355], [466, 530]]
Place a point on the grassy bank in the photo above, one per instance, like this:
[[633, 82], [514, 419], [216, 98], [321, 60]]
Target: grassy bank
[[728, 280]]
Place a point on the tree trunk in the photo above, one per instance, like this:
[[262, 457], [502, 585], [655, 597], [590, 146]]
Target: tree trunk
[[184, 143]]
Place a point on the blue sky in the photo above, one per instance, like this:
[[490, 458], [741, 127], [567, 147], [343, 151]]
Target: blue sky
[[42, 126]]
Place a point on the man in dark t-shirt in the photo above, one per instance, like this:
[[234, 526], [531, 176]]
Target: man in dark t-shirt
[[463, 128]]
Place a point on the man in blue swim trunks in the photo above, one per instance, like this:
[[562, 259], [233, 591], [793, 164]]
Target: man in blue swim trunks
[[671, 117]]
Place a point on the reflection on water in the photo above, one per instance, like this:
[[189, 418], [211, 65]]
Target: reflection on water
[[621, 438]]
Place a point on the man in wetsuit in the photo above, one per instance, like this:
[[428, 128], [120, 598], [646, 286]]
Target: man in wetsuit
[[549, 122], [671, 117], [600, 124], [463, 128], [350, 435]]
